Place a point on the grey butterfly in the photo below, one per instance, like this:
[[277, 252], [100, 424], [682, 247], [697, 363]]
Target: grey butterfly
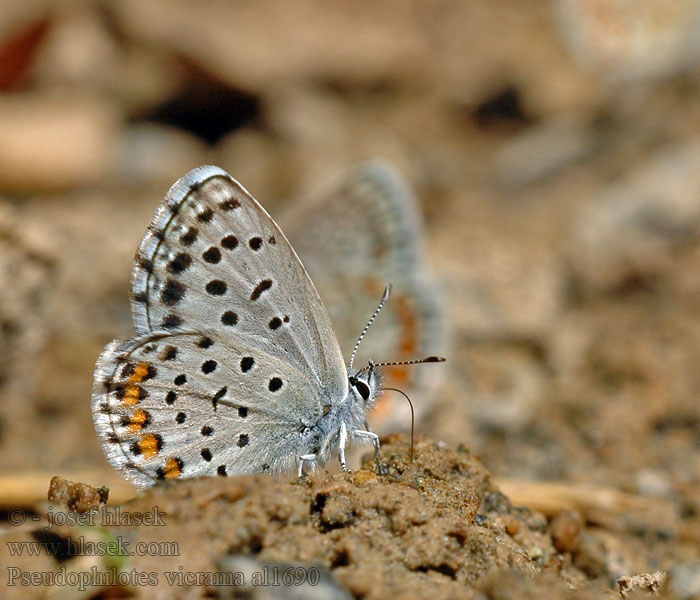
[[235, 367]]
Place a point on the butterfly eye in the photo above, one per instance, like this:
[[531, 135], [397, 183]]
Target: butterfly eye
[[363, 388]]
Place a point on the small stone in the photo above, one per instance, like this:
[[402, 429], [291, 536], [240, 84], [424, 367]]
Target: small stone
[[76, 497], [644, 582], [565, 529], [512, 526]]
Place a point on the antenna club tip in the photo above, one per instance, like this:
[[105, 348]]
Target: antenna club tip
[[434, 359], [387, 292]]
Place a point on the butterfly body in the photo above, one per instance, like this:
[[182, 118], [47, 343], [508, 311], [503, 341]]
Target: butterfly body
[[341, 420], [235, 367]]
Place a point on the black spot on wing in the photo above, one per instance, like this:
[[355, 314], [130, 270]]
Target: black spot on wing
[[212, 255], [205, 342], [216, 287], [172, 293], [208, 366], [169, 353], [180, 263], [151, 372], [189, 237], [171, 321], [205, 216], [263, 286], [229, 204], [230, 242], [229, 318]]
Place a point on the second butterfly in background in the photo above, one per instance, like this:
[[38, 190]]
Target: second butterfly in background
[[353, 242]]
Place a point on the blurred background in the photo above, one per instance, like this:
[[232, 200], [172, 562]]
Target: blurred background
[[553, 146]]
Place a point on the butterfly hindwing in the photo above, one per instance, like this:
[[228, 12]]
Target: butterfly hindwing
[[166, 406], [369, 223]]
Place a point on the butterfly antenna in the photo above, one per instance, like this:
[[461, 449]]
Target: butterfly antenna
[[385, 297], [413, 416], [418, 361]]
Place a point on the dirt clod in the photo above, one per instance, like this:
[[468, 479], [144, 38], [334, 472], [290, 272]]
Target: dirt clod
[[76, 497]]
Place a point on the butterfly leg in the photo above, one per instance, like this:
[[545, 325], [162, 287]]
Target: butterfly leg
[[307, 458], [375, 440], [342, 440]]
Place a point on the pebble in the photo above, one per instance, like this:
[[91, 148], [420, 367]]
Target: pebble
[[565, 529]]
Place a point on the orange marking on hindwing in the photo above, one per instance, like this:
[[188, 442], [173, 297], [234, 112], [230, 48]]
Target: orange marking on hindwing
[[149, 445], [408, 340], [172, 469], [141, 371], [133, 392], [132, 395], [408, 324], [138, 420]]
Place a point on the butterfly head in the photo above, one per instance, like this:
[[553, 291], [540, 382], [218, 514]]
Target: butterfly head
[[365, 385]]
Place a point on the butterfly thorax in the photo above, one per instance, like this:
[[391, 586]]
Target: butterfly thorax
[[363, 392]]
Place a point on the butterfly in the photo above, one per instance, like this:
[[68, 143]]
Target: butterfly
[[235, 367]]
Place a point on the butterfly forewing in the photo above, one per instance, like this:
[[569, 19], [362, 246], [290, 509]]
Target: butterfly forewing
[[213, 259]]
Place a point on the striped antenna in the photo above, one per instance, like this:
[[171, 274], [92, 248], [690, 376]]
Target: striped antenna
[[385, 297], [417, 361]]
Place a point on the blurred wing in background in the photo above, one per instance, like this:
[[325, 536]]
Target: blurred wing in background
[[364, 235]]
